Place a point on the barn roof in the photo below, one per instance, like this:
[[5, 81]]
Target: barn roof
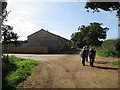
[[50, 33]]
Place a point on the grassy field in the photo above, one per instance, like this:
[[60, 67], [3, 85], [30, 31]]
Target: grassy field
[[16, 70]]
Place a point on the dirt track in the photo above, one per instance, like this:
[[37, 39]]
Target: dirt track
[[66, 71]]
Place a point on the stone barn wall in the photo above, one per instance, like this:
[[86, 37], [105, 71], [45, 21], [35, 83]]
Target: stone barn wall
[[53, 42]]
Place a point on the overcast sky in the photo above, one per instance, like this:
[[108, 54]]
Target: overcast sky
[[61, 18]]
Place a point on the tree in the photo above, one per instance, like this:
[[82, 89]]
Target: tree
[[8, 35], [4, 11], [6, 30], [92, 35], [107, 6], [76, 40]]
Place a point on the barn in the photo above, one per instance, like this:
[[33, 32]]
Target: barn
[[44, 38]]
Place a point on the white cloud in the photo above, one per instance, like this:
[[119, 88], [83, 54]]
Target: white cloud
[[22, 27], [24, 14], [103, 26], [21, 18], [21, 9]]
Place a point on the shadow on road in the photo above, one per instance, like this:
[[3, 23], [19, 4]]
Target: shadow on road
[[102, 62], [106, 68]]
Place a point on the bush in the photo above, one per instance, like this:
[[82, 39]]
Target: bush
[[15, 70], [110, 48], [116, 63]]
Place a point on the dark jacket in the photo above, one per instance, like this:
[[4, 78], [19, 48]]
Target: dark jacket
[[92, 53]]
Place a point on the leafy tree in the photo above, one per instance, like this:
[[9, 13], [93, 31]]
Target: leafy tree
[[95, 34], [4, 11], [7, 33], [107, 6], [92, 34], [77, 38]]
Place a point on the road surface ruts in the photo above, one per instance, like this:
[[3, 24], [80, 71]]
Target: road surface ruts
[[66, 71]]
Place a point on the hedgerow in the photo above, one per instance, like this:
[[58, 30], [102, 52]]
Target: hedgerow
[[110, 48]]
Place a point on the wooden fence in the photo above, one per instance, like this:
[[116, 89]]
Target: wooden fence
[[25, 49]]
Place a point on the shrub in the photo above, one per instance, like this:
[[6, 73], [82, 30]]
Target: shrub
[[110, 48]]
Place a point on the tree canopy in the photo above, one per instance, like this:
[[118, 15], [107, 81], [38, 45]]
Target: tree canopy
[[6, 30], [8, 35], [107, 6], [92, 35]]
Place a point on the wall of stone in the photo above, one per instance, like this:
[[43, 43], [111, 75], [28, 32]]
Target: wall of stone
[[46, 39]]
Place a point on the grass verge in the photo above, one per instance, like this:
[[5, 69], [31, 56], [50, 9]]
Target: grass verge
[[117, 63], [16, 70]]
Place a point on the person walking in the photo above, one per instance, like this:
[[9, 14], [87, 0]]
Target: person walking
[[92, 54], [86, 54], [83, 55]]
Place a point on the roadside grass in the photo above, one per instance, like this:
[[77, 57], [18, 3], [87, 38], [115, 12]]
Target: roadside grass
[[16, 70], [117, 63]]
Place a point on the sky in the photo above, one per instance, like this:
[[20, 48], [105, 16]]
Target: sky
[[61, 18]]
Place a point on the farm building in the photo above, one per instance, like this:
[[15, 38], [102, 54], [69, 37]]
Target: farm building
[[43, 38]]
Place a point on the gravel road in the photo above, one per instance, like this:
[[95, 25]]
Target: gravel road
[[66, 71]]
